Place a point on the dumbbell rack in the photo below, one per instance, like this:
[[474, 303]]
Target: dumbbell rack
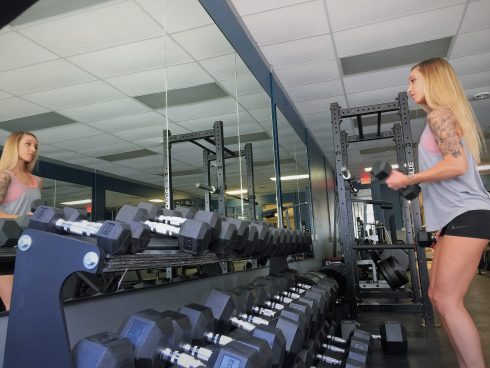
[[37, 334], [402, 135]]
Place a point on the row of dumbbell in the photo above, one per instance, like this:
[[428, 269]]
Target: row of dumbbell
[[261, 333], [136, 229]]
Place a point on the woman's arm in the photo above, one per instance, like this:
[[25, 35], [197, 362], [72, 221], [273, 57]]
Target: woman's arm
[[4, 186], [444, 127]]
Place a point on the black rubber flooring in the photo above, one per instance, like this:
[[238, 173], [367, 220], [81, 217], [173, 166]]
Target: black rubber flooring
[[430, 347]]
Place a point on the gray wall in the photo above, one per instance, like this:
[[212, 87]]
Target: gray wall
[[321, 218]]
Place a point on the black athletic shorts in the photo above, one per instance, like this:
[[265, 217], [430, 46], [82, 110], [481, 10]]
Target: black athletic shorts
[[471, 224]]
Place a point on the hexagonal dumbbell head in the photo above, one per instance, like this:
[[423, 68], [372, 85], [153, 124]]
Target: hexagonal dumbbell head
[[242, 234], [212, 219], [226, 240], [103, 350], [222, 304], [148, 333], [393, 338], [201, 320], [9, 232]]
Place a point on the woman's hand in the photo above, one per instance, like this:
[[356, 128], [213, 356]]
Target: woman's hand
[[397, 180]]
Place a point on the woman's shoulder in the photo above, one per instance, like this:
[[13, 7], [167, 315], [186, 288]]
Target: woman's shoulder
[[38, 180], [440, 112]]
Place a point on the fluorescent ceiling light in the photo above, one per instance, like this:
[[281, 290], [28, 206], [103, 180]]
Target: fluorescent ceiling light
[[483, 167], [393, 166], [81, 201], [156, 200], [236, 191], [292, 177]]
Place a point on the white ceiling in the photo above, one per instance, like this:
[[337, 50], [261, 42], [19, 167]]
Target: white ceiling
[[89, 63], [304, 41]]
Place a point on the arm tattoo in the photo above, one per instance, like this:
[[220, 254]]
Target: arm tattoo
[[4, 185], [442, 123]]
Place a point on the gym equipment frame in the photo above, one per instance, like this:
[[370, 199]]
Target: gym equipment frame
[[402, 135], [216, 138]]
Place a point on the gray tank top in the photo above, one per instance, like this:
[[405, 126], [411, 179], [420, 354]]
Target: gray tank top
[[19, 196], [446, 199]]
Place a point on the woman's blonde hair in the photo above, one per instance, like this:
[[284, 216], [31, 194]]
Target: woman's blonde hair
[[10, 154], [443, 89]]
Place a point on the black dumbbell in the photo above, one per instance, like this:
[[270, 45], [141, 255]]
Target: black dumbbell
[[157, 337], [226, 240], [382, 169], [223, 308], [426, 239], [201, 317], [103, 350], [393, 336], [192, 236], [180, 215], [114, 237]]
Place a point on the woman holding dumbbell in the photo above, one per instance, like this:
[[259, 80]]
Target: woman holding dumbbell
[[456, 204], [18, 187]]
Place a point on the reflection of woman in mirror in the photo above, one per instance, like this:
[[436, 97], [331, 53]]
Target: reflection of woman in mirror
[[18, 188]]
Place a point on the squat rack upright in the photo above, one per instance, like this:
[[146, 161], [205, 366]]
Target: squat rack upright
[[219, 155], [402, 135]]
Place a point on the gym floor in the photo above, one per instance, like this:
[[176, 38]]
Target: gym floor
[[431, 347]]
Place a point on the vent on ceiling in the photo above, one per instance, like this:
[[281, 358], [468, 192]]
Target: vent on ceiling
[[128, 155], [244, 138], [45, 9], [36, 122], [184, 96], [398, 56]]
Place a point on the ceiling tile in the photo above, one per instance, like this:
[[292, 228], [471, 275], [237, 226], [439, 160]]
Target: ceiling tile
[[178, 76], [262, 115], [14, 108], [375, 96], [476, 16], [132, 57], [300, 51], [104, 110], [352, 13], [471, 43], [245, 7], [17, 51], [59, 134], [122, 123], [204, 42], [202, 110], [308, 73], [6, 29], [177, 15], [78, 95], [376, 80], [84, 144], [315, 119], [128, 23], [142, 133], [244, 129], [315, 91], [399, 32], [245, 85], [225, 66], [43, 76], [255, 101], [320, 105], [4, 94], [266, 30], [109, 149], [471, 64], [475, 80]]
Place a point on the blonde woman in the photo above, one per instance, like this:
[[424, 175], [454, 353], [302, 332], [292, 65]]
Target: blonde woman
[[18, 187], [456, 204]]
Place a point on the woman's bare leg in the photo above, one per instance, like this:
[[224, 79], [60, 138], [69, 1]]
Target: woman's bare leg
[[6, 283], [457, 263]]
